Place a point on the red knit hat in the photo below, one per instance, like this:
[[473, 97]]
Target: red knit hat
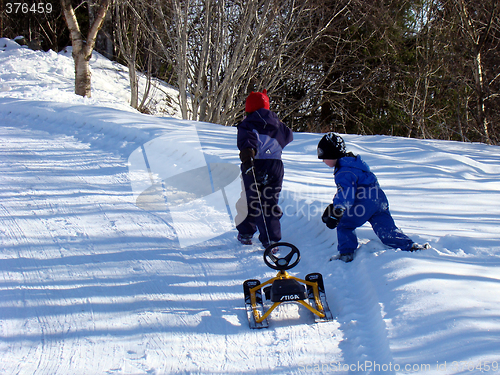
[[257, 100]]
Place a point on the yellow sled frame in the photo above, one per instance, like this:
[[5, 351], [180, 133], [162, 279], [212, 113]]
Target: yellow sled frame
[[280, 276]]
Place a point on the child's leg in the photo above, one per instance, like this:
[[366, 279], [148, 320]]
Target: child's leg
[[346, 230], [385, 228], [246, 208], [272, 213], [348, 241], [270, 189]]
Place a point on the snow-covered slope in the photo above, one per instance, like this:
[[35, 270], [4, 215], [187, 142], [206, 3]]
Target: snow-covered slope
[[91, 283], [50, 76]]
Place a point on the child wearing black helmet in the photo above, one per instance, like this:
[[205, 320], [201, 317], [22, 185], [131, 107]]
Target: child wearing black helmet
[[359, 199]]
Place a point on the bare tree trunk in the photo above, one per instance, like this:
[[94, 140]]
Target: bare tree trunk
[[476, 34], [126, 24], [134, 85], [181, 24], [480, 90], [149, 68], [82, 73], [82, 48]]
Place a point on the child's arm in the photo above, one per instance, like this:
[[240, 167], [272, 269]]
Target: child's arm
[[288, 135], [332, 216], [347, 184], [246, 137], [246, 156]]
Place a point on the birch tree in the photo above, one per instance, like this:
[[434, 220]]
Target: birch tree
[[130, 34], [83, 45]]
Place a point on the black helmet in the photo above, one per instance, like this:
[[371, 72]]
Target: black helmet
[[331, 146]]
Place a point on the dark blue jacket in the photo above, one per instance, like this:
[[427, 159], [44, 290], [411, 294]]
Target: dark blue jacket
[[263, 131], [359, 192], [354, 179]]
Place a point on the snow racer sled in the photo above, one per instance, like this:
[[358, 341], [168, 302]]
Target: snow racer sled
[[310, 292]]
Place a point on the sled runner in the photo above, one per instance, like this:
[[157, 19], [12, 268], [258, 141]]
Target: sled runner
[[309, 293]]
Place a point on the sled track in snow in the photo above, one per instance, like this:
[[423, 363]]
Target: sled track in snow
[[198, 313], [351, 295], [33, 285], [103, 282], [361, 320], [56, 275]]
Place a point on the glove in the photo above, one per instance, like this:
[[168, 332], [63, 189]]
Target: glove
[[246, 156], [332, 216]]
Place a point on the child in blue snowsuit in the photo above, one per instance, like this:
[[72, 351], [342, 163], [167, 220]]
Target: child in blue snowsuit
[[261, 139], [359, 199]]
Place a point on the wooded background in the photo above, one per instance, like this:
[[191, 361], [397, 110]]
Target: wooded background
[[426, 68]]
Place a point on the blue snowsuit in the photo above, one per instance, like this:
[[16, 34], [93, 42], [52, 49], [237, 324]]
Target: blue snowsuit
[[359, 193], [267, 135]]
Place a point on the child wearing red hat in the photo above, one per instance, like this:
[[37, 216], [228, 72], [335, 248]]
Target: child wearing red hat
[[256, 101], [261, 139]]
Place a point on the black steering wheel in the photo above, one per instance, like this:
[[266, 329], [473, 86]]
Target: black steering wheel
[[284, 263]]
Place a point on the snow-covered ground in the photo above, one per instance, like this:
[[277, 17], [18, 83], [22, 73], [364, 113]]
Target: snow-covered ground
[[91, 282]]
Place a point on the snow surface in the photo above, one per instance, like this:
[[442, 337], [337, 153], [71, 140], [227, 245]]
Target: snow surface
[[91, 283]]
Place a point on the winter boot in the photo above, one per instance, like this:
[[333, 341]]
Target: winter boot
[[245, 239], [275, 250], [348, 257], [417, 246]]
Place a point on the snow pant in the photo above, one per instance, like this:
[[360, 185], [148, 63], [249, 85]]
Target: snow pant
[[375, 210], [263, 214]]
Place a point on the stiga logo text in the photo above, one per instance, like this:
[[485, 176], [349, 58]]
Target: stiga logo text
[[291, 297]]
